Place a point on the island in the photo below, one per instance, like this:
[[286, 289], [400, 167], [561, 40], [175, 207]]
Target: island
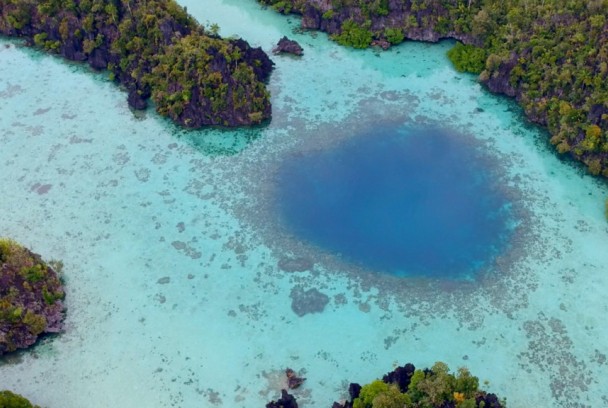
[[409, 387], [31, 297], [551, 56], [153, 49]]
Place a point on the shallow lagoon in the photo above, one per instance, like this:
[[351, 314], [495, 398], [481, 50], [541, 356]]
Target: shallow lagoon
[[127, 202]]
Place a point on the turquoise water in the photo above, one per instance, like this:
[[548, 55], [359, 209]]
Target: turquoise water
[[408, 202], [128, 201]]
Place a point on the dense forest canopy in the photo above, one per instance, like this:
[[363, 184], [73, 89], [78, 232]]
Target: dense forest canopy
[[551, 55], [153, 48]]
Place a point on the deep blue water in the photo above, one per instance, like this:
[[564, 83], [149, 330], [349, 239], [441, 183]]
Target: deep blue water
[[405, 202]]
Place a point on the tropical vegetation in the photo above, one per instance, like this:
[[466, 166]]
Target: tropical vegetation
[[428, 388], [153, 48]]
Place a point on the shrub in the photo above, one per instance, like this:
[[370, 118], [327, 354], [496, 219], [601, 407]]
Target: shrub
[[11, 400], [378, 394], [354, 35], [394, 35], [467, 58]]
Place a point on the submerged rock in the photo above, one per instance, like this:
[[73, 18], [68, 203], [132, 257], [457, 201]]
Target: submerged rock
[[295, 264], [307, 301], [293, 381], [287, 46]]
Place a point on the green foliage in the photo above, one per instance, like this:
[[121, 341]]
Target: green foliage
[[394, 35], [378, 394], [9, 399], [328, 15], [282, 7], [34, 273], [468, 58], [353, 35], [427, 389]]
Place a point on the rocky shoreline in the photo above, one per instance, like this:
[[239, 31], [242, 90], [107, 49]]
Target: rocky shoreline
[[153, 49], [550, 58]]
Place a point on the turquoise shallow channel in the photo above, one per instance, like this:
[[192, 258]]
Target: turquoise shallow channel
[[182, 273]]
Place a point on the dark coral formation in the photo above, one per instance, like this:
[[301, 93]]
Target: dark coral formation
[[154, 49], [308, 301], [287, 46], [30, 297], [295, 264]]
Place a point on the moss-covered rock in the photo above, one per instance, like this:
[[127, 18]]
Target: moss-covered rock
[[31, 297]]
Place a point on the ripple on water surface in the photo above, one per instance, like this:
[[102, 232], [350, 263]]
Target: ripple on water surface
[[409, 202]]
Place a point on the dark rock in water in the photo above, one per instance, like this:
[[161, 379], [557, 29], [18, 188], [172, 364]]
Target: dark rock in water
[[136, 101], [286, 401], [256, 58], [295, 264], [307, 301], [287, 46], [293, 381], [400, 376], [354, 390]]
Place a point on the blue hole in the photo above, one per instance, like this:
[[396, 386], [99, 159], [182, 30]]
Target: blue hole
[[409, 202]]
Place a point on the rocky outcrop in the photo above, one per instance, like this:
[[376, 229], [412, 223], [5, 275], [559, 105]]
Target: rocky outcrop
[[287, 46], [153, 49], [401, 376], [286, 401], [30, 297]]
